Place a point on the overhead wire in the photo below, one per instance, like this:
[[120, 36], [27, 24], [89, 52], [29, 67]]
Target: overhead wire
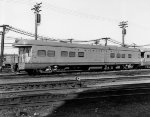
[[46, 38], [28, 33], [64, 11]]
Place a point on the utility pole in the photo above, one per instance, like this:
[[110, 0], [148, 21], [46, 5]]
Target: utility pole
[[1, 54], [134, 45], [97, 41], [106, 40], [70, 40], [2, 42], [123, 25], [37, 17]]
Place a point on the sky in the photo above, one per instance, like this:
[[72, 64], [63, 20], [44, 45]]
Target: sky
[[78, 19]]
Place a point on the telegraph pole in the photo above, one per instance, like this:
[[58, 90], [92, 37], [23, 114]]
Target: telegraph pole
[[70, 40], [106, 40], [1, 55], [123, 25], [37, 17], [2, 42]]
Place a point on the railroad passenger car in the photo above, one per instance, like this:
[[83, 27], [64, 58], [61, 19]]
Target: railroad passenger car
[[145, 58], [9, 59], [36, 55]]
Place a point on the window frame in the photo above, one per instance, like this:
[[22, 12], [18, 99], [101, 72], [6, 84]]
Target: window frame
[[72, 53], [50, 53], [43, 54], [64, 55], [80, 54], [123, 56], [118, 55], [29, 51], [129, 55], [148, 56], [112, 55]]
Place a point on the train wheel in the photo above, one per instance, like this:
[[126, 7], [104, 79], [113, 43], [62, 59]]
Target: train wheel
[[135, 66], [121, 67], [86, 68], [114, 67], [103, 67], [30, 72], [33, 72], [106, 68]]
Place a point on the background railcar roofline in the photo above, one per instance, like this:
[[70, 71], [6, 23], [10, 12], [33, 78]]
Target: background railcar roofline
[[145, 49]]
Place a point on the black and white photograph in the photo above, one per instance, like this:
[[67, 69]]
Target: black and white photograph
[[74, 58]]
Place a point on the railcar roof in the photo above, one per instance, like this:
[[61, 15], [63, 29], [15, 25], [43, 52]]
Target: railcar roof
[[145, 49], [22, 43]]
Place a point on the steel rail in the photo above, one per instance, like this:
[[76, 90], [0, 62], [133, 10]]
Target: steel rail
[[64, 83], [70, 73]]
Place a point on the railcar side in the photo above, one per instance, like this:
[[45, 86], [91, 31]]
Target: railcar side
[[145, 58], [39, 55]]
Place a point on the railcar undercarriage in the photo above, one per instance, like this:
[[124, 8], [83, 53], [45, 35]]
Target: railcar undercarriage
[[81, 68]]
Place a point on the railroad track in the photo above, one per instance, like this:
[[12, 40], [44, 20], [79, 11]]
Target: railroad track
[[71, 94], [57, 84], [28, 93], [72, 73]]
